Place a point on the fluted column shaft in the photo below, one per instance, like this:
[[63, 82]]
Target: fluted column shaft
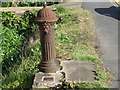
[[49, 64]]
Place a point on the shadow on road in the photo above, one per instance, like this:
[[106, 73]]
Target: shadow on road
[[111, 12]]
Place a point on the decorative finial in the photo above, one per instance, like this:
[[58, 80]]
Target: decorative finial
[[45, 4]]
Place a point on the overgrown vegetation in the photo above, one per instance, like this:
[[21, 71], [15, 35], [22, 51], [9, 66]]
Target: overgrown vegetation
[[75, 40], [15, 31], [77, 33], [93, 85], [26, 4]]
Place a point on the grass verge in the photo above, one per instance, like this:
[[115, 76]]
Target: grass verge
[[75, 40]]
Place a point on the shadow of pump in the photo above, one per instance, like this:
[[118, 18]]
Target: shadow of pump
[[112, 11]]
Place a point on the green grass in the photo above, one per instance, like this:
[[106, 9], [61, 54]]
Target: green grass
[[90, 85], [75, 36], [75, 40]]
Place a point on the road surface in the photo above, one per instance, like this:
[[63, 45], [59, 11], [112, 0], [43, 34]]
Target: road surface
[[106, 22]]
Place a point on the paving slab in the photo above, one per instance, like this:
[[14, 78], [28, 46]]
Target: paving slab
[[78, 71]]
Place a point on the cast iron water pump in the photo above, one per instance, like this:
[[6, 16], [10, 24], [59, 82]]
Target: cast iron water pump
[[46, 20]]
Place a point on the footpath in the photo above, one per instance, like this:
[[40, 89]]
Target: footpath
[[107, 20]]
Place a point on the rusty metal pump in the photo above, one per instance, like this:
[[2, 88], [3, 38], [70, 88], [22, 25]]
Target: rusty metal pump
[[46, 20]]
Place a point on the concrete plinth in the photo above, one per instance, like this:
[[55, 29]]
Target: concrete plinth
[[78, 71], [47, 80], [73, 71]]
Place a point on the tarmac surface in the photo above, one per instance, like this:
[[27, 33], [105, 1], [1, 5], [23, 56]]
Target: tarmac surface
[[106, 18]]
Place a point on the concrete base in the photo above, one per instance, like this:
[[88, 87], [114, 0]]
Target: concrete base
[[47, 80], [78, 71], [73, 71]]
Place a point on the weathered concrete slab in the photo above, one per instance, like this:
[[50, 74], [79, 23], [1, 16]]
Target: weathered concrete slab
[[46, 80], [77, 71]]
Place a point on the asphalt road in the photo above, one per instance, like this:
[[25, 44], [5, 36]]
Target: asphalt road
[[106, 18]]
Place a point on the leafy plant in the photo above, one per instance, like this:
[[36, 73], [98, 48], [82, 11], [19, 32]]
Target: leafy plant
[[13, 22], [21, 76], [26, 4], [5, 4], [15, 30], [11, 43]]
